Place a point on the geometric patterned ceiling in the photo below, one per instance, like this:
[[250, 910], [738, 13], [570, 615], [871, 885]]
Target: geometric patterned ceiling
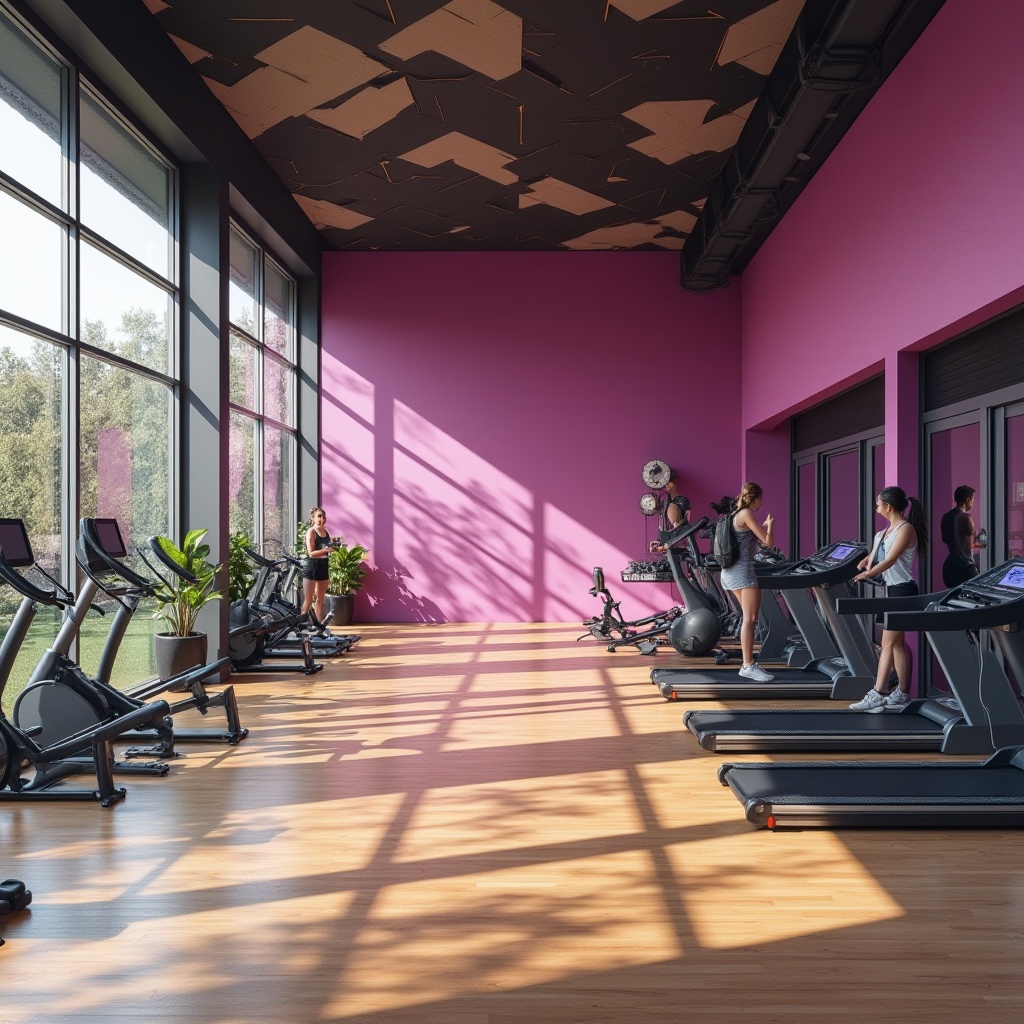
[[489, 124]]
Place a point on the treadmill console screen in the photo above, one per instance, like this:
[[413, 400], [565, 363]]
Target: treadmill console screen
[[840, 552], [108, 533], [1014, 577], [14, 543]]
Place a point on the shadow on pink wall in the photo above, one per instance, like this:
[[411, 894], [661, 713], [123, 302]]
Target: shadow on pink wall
[[488, 449]]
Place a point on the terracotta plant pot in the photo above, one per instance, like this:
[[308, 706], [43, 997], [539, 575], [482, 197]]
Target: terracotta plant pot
[[175, 654]]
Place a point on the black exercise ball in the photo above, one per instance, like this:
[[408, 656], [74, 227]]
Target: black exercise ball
[[695, 633]]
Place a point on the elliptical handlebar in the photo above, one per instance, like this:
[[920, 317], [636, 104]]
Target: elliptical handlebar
[[58, 597], [672, 537]]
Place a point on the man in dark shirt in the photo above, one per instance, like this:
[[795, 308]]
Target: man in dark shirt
[[958, 534]]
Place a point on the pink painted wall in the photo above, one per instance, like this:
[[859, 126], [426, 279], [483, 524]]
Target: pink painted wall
[[910, 232], [486, 417]]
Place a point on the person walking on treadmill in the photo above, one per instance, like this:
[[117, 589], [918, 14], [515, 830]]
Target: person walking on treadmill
[[958, 534], [892, 555], [741, 577]]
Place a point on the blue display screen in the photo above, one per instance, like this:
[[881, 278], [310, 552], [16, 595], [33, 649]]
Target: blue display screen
[[1014, 578], [842, 551]]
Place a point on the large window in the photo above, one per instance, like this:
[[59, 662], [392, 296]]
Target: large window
[[88, 327], [263, 393]]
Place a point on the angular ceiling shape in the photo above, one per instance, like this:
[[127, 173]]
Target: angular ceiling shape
[[489, 124]]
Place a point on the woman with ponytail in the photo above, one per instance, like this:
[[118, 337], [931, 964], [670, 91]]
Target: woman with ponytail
[[892, 554], [741, 578]]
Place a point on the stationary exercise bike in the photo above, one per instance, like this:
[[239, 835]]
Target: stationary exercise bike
[[89, 751]]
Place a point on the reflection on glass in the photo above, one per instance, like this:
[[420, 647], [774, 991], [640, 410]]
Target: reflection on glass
[[126, 475], [243, 307], [1014, 487], [31, 272], [123, 313], [243, 387], [31, 442], [278, 389], [807, 502], [124, 189], [844, 499], [30, 105], [278, 462], [242, 475], [277, 313]]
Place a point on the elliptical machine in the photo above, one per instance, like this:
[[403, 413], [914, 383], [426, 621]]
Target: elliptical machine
[[87, 751]]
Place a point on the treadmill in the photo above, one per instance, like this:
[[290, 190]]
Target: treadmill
[[900, 794], [842, 674], [958, 725]]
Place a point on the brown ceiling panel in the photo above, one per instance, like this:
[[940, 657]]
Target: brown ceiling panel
[[488, 124]]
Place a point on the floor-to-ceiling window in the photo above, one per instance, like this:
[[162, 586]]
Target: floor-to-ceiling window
[[88, 325], [263, 388]]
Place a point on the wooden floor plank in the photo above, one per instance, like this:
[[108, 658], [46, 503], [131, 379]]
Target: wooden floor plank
[[489, 824]]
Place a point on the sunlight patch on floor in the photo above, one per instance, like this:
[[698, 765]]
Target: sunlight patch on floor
[[769, 891]]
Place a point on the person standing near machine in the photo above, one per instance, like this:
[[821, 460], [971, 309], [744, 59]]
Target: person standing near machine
[[892, 556], [677, 509], [741, 577], [957, 530], [314, 566]]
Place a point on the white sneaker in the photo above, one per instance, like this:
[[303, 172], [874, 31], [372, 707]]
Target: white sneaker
[[872, 702], [756, 673], [896, 700]]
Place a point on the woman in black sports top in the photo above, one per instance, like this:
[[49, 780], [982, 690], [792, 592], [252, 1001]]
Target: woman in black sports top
[[314, 567]]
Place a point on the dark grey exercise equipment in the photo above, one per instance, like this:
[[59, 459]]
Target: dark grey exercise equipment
[[49, 765], [899, 794], [842, 660], [958, 725]]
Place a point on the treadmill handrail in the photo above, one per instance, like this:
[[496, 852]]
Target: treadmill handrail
[[795, 579], [942, 618], [873, 605]]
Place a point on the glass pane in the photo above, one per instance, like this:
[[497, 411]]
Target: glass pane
[[278, 511], [1014, 487], [807, 502], [125, 474], [844, 499], [242, 304], [954, 459], [242, 475], [31, 272], [877, 483], [125, 190], [244, 379], [31, 441], [123, 313], [277, 313], [30, 91], [278, 389]]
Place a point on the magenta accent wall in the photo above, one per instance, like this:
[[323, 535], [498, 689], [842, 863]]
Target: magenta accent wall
[[912, 229], [486, 417]]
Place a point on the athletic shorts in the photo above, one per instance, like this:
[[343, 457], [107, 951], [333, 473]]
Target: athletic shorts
[[314, 569]]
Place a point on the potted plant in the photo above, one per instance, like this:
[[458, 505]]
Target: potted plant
[[180, 599], [241, 572], [345, 571]]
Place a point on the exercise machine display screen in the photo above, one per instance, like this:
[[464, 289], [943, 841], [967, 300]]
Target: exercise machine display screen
[[109, 535], [841, 551], [14, 543], [1014, 578]]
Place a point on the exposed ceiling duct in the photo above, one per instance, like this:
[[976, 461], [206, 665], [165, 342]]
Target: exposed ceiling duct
[[838, 55]]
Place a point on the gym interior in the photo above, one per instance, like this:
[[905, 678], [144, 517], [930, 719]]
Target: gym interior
[[472, 814]]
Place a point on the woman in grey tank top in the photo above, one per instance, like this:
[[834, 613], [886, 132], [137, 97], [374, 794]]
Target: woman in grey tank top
[[892, 555], [741, 578]]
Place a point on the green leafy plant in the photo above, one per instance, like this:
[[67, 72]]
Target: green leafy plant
[[300, 537], [180, 600], [345, 567], [241, 571]]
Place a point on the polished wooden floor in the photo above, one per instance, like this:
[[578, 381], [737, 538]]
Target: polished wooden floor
[[489, 824]]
